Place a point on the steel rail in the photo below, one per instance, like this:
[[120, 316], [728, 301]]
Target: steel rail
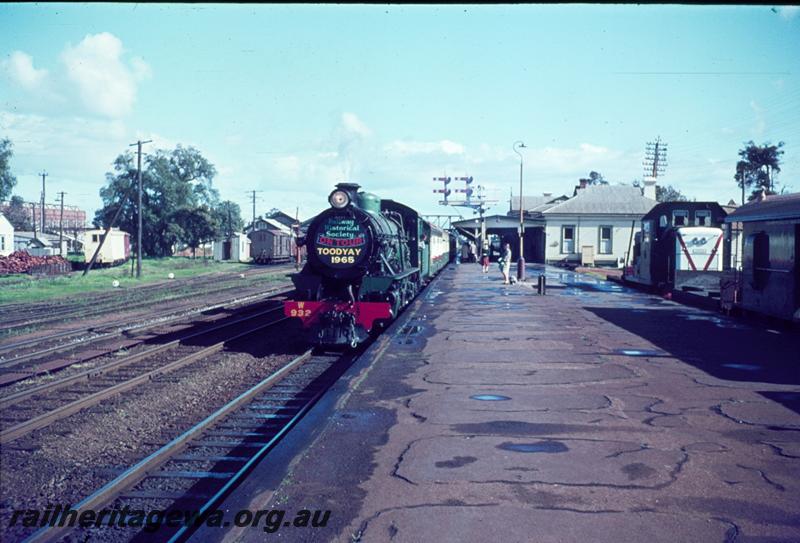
[[45, 419], [18, 397], [137, 472], [85, 312], [163, 317], [63, 303]]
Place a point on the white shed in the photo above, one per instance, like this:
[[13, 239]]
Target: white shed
[[116, 249], [6, 236], [234, 249]]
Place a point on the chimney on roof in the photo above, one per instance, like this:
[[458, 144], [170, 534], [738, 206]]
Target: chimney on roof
[[649, 188], [762, 195], [547, 194], [583, 183]]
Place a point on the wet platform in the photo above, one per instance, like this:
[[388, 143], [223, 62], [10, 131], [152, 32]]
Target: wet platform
[[594, 413]]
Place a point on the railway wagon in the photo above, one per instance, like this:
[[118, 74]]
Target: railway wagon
[[116, 249], [367, 258], [680, 246], [270, 246], [770, 277]]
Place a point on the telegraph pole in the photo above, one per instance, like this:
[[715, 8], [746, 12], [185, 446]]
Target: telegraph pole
[[61, 226], [655, 163], [252, 194], [139, 209], [44, 175]]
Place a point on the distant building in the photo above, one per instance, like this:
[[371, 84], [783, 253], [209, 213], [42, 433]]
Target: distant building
[[6, 236], [283, 218], [594, 226], [39, 244], [235, 248], [74, 218]]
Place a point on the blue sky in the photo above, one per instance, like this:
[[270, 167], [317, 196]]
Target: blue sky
[[289, 100]]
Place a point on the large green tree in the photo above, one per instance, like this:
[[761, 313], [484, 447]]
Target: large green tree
[[172, 180], [228, 217], [198, 225], [757, 167], [7, 179]]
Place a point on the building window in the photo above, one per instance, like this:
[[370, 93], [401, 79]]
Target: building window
[[680, 217], [94, 238], [567, 239], [605, 240], [702, 217], [2, 243]]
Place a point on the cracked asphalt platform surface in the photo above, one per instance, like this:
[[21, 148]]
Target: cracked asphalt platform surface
[[594, 413]]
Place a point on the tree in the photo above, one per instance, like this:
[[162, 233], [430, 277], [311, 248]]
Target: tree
[[668, 193], [595, 178], [228, 216], [7, 179], [171, 180], [198, 225], [757, 168], [17, 215], [664, 193]]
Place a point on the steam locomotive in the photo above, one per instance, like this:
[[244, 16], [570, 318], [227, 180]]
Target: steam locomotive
[[367, 259]]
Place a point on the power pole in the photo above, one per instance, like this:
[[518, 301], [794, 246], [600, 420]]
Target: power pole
[[33, 211], [61, 226], [139, 209], [44, 175], [252, 194]]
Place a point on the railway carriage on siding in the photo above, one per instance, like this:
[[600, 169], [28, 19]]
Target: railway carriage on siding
[[367, 259], [116, 249]]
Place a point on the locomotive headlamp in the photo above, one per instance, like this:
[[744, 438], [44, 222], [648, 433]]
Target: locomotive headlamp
[[339, 199]]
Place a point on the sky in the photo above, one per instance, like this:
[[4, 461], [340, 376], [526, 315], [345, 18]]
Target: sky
[[289, 100]]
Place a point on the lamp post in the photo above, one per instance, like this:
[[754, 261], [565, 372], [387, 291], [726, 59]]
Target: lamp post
[[521, 261]]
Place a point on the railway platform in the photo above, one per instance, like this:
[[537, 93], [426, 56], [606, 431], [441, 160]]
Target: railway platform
[[592, 413]]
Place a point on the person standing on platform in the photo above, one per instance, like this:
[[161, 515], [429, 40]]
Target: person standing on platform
[[505, 263], [485, 256]]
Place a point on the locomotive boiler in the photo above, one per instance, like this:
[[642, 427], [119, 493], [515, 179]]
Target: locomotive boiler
[[367, 259]]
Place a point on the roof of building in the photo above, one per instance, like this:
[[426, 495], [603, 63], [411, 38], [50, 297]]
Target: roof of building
[[530, 203], [495, 221], [771, 208], [4, 220], [604, 200]]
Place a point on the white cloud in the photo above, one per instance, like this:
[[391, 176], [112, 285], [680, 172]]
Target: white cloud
[[405, 148], [351, 123], [105, 82], [19, 67], [788, 12]]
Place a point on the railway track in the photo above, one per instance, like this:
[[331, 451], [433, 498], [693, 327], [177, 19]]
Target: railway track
[[203, 464], [36, 408], [38, 317], [24, 366]]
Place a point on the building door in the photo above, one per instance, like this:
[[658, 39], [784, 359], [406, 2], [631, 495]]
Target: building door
[[226, 250]]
